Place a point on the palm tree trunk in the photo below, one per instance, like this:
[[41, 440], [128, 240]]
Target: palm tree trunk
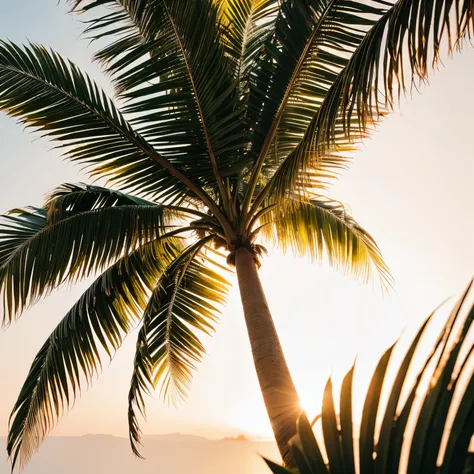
[[279, 392]]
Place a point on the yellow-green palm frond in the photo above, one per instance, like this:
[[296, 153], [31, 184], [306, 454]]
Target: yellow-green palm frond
[[94, 327], [246, 25], [299, 175], [183, 304], [320, 228]]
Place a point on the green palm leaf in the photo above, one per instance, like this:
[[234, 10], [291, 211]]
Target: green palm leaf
[[400, 47], [36, 257], [312, 42], [53, 96], [183, 82], [95, 325], [69, 199], [168, 347], [246, 24], [295, 178]]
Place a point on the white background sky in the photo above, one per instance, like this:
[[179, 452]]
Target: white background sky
[[411, 186]]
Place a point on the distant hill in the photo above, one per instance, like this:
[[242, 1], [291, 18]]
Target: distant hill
[[165, 454], [176, 437]]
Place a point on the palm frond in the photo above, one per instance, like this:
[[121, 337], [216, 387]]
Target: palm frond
[[295, 177], [400, 48], [326, 38], [51, 95], [381, 453], [94, 327], [324, 227], [312, 42], [69, 199], [121, 20], [176, 81], [439, 398], [168, 348], [36, 256], [369, 413]]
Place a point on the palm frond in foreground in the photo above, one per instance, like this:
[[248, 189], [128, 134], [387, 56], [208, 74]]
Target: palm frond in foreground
[[423, 420]]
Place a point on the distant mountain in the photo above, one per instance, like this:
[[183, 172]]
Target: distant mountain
[[165, 454], [176, 437]]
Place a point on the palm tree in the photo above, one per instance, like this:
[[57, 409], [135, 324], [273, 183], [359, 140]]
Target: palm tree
[[234, 116]]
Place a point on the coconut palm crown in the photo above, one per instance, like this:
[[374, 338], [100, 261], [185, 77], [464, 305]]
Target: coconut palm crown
[[234, 115]]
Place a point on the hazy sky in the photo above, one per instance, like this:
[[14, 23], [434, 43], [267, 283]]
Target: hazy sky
[[410, 185]]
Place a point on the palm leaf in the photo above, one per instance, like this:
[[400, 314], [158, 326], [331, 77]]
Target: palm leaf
[[246, 24], [331, 430], [312, 42], [400, 424], [182, 82], [461, 433], [430, 422], [36, 257], [295, 178], [168, 347], [276, 468], [97, 323], [322, 226], [69, 199], [347, 428], [434, 412], [399, 48], [369, 415], [53, 96], [314, 457], [383, 451]]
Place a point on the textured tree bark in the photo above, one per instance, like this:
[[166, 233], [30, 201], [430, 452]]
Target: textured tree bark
[[279, 392]]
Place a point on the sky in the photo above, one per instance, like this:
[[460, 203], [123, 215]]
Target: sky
[[410, 185]]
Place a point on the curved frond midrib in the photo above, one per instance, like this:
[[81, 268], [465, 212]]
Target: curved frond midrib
[[122, 129], [74, 98], [281, 108], [62, 222], [207, 137]]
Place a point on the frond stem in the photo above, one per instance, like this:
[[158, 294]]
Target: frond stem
[[259, 214]]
